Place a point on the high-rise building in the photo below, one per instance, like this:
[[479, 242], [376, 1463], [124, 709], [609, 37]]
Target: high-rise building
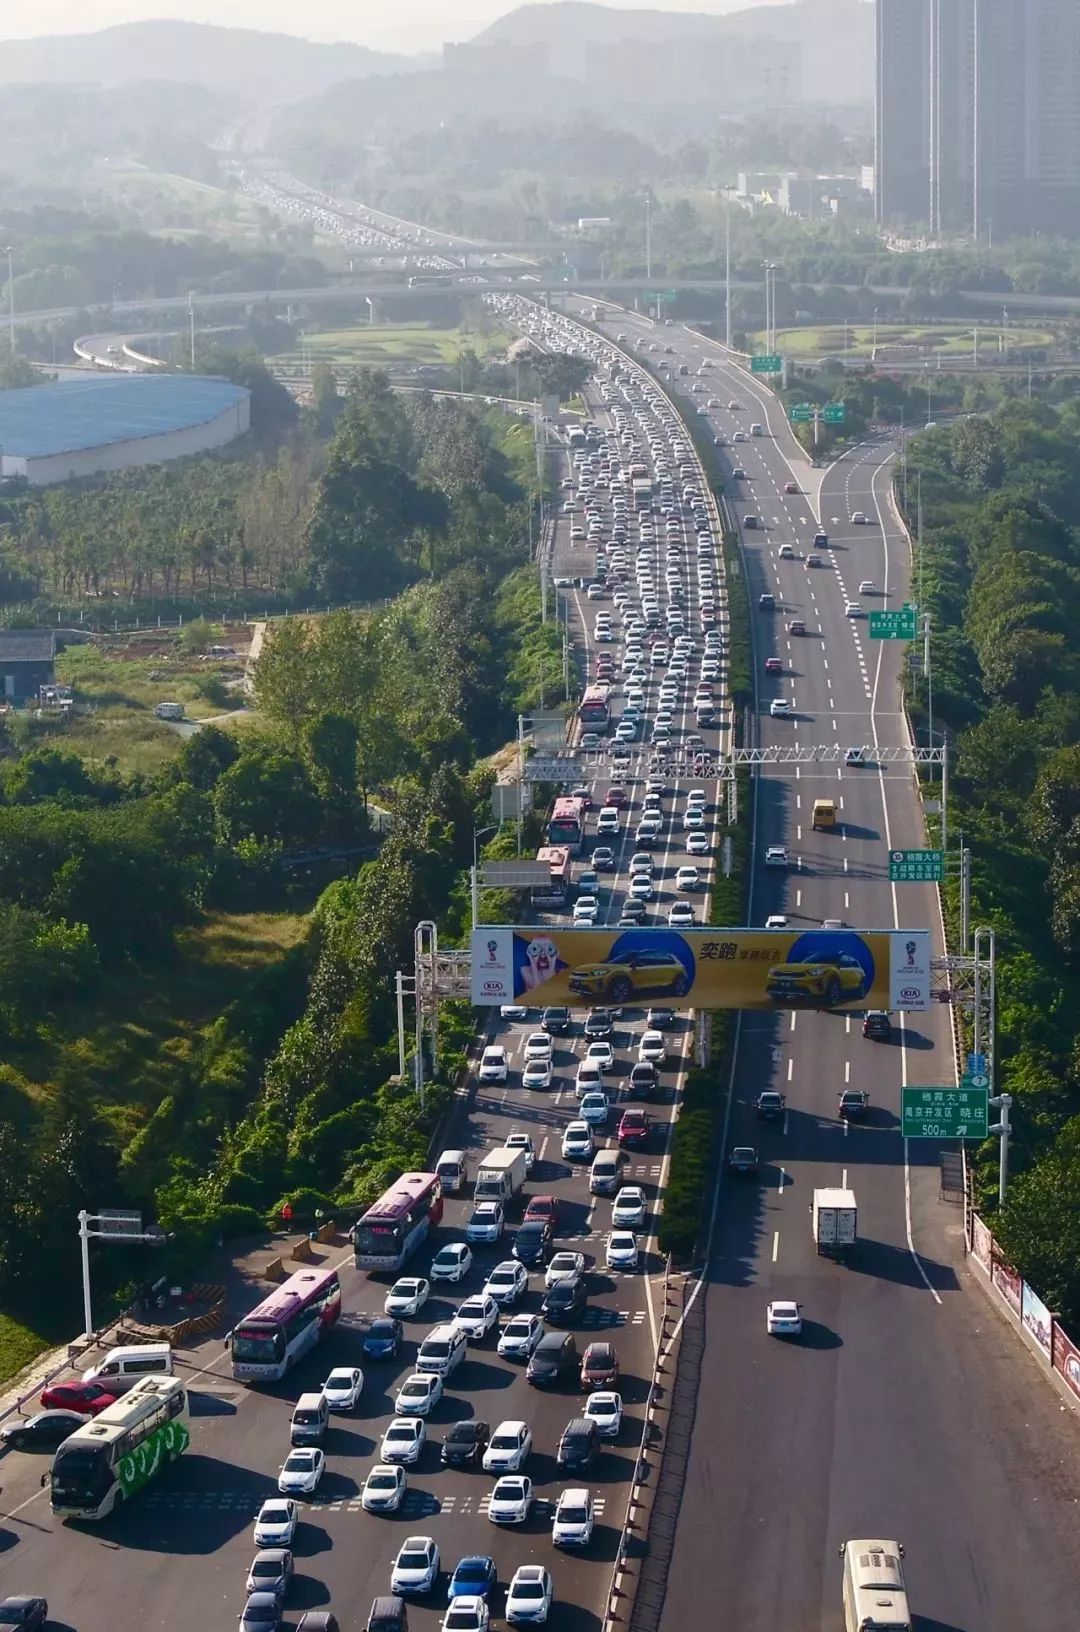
[[978, 114]]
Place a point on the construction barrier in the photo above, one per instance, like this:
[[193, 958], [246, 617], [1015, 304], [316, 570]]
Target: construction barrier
[[274, 1270], [302, 1250]]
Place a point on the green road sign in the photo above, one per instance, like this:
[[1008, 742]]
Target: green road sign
[[801, 414], [833, 413], [944, 1113], [770, 362], [916, 866], [898, 625]]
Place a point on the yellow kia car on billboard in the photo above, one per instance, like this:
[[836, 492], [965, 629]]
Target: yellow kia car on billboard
[[828, 979], [639, 972]]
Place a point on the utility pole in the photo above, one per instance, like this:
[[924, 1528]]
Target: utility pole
[[191, 316], [648, 236], [727, 272], [1003, 1129]]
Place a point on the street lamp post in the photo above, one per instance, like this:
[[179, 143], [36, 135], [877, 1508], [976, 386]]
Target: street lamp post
[[11, 297], [648, 235], [478, 834], [873, 343], [191, 319]]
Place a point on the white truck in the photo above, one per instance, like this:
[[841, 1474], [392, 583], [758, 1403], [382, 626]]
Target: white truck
[[834, 1216], [500, 1175]]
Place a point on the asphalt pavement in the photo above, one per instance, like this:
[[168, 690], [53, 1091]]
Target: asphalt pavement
[[906, 1410]]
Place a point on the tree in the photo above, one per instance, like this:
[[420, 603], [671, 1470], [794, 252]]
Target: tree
[[330, 747], [326, 403], [266, 794], [204, 758]]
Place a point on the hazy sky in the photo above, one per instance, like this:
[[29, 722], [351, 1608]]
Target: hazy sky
[[406, 25]]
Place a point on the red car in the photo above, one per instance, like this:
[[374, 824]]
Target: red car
[[86, 1398], [773, 665], [600, 1366], [634, 1128], [616, 796], [542, 1210]]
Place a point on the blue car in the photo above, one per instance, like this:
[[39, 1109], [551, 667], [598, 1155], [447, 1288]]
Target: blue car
[[474, 1577], [382, 1340]]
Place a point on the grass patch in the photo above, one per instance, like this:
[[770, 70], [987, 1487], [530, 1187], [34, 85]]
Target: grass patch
[[827, 339], [398, 343], [19, 1344]]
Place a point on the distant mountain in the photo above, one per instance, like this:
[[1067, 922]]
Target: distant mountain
[[836, 37], [242, 62]]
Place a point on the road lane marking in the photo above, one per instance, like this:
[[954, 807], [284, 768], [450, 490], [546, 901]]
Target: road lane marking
[[775, 1245], [783, 1179]]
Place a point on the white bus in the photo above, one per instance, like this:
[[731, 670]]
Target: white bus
[[875, 1599], [113, 1455]]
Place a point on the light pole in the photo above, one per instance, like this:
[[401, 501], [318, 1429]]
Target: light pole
[[478, 834], [191, 318], [873, 343], [648, 236], [727, 271], [11, 297]]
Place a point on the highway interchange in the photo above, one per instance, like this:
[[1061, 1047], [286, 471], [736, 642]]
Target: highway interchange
[[136, 1570]]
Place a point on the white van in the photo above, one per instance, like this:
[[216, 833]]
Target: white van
[[453, 1170], [442, 1350], [169, 711], [875, 1599], [310, 1420], [121, 1369]]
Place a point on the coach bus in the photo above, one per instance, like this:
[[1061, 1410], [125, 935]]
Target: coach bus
[[285, 1325], [398, 1222], [116, 1453], [555, 893], [594, 710], [566, 824]]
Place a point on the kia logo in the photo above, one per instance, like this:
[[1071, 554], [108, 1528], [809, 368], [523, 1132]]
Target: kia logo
[[492, 986], [909, 993]]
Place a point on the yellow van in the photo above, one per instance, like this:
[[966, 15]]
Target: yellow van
[[824, 813]]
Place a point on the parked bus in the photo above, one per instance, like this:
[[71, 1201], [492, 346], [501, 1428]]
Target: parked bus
[[594, 710], [556, 892], [874, 1591], [566, 824], [398, 1222], [285, 1325], [116, 1453]]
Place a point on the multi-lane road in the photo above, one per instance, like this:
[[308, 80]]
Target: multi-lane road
[[177, 1554], [907, 1410]]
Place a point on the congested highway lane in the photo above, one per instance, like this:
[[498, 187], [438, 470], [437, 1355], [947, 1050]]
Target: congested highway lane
[[906, 1410]]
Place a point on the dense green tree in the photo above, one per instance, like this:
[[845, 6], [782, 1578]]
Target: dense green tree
[[267, 795]]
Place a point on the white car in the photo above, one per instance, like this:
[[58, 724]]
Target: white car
[[506, 1283], [466, 1613], [783, 1319], [513, 1011], [697, 843], [679, 914], [538, 1073], [693, 818], [776, 856], [586, 909], [520, 1336], [780, 708], [528, 1598], [383, 1492], [573, 1522], [577, 1142], [786, 553], [508, 1448], [538, 1046], [343, 1387], [605, 1408], [275, 1523], [407, 1296], [621, 1251], [776, 920], [512, 1499], [522, 1141], [629, 1208], [589, 1076], [867, 587], [652, 1046], [476, 1317], [594, 1108], [641, 887], [602, 1054], [301, 1472], [416, 1567], [607, 821], [858, 518], [564, 1266], [403, 1441], [486, 1222], [493, 1066], [852, 609], [418, 1394], [687, 878], [452, 1262]]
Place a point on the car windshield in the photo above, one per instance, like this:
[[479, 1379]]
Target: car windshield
[[413, 1561], [339, 1379], [528, 1589], [402, 1431], [463, 1434], [382, 1481], [267, 1569], [261, 1612], [574, 1515]]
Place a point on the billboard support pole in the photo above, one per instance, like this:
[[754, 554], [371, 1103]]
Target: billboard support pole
[[399, 986]]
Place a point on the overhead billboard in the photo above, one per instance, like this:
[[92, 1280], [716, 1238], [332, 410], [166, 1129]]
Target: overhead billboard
[[767, 969]]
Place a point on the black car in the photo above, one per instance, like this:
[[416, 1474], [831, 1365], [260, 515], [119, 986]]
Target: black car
[[599, 1024], [555, 1021], [465, 1444], [643, 1081], [43, 1432], [564, 1302], [261, 1613], [553, 1361], [382, 1340], [770, 1105], [318, 1620], [876, 1024], [854, 1104], [578, 1446], [532, 1242], [24, 1612]]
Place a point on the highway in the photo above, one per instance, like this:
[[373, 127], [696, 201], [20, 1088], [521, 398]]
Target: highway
[[177, 1554], [907, 1410]]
